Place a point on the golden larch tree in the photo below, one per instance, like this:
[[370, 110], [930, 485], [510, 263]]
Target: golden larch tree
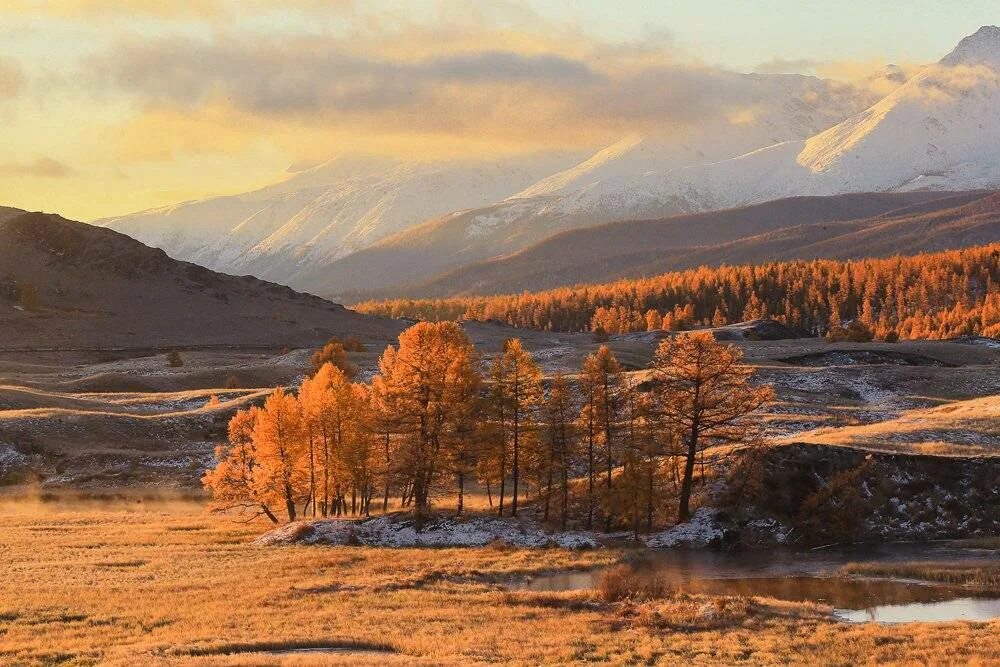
[[703, 392]]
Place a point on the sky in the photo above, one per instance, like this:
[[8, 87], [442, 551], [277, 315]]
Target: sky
[[108, 108]]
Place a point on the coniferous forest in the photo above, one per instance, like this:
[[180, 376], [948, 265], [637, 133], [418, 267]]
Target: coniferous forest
[[939, 295]]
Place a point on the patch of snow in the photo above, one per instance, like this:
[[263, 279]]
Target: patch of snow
[[700, 530], [393, 531], [10, 457]]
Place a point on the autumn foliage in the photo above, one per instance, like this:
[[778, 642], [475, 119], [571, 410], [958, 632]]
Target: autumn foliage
[[938, 295], [437, 418]]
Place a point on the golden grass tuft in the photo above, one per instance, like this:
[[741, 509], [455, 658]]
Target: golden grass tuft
[[982, 576]]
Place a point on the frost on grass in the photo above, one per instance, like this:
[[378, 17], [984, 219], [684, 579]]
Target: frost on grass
[[400, 531]]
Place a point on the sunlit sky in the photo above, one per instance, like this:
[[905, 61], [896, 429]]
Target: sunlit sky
[[112, 107]]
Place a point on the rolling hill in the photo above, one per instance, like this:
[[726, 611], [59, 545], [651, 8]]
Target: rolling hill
[[66, 284], [835, 227]]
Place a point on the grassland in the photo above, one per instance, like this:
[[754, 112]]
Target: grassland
[[165, 583], [981, 577]]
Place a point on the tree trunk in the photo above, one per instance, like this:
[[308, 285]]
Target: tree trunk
[[683, 511], [649, 493], [388, 475], [503, 473], [268, 513], [312, 474], [565, 494], [461, 492], [489, 493], [548, 486], [326, 477], [516, 463], [590, 476], [289, 503]]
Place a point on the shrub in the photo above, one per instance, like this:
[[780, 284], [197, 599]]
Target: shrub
[[174, 359], [856, 332], [334, 353], [625, 582]]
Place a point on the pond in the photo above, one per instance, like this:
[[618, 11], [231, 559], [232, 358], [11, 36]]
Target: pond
[[812, 576]]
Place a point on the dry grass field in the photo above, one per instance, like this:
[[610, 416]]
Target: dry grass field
[[166, 583]]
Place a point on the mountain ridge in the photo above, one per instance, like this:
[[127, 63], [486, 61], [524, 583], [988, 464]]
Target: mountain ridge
[[97, 288], [770, 231]]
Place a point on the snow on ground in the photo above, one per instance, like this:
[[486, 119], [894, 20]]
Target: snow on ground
[[10, 457], [395, 531], [701, 530]]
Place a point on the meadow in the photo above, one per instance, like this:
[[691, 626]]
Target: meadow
[[134, 581]]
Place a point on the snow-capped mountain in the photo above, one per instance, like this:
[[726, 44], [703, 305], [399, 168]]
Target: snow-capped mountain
[[315, 216], [358, 224], [940, 130]]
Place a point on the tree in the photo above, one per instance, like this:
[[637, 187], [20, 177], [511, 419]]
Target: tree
[[560, 437], [602, 385], [279, 438], [235, 481], [517, 390], [174, 359], [425, 385], [334, 353], [334, 413], [702, 392]]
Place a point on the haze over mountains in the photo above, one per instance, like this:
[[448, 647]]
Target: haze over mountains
[[359, 226]]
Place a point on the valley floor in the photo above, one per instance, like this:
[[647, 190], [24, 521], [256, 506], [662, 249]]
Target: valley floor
[[166, 583]]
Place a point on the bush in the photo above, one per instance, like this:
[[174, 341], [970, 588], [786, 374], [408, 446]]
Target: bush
[[892, 336], [333, 353], [600, 335], [625, 582], [856, 332], [174, 359], [354, 344]]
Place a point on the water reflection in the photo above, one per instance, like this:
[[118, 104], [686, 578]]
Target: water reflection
[[959, 609], [810, 576]]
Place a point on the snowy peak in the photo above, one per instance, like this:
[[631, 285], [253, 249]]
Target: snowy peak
[[980, 48]]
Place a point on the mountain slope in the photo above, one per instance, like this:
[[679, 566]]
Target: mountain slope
[[936, 131], [286, 231], [320, 214], [97, 288], [780, 229]]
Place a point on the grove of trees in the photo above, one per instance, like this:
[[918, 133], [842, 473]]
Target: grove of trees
[[939, 295], [437, 418]]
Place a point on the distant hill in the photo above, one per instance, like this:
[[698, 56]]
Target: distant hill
[[90, 287], [836, 227]]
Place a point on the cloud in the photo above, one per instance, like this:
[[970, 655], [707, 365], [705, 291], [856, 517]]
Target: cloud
[[11, 78], [314, 76], [43, 167], [104, 8], [785, 66], [569, 92]]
